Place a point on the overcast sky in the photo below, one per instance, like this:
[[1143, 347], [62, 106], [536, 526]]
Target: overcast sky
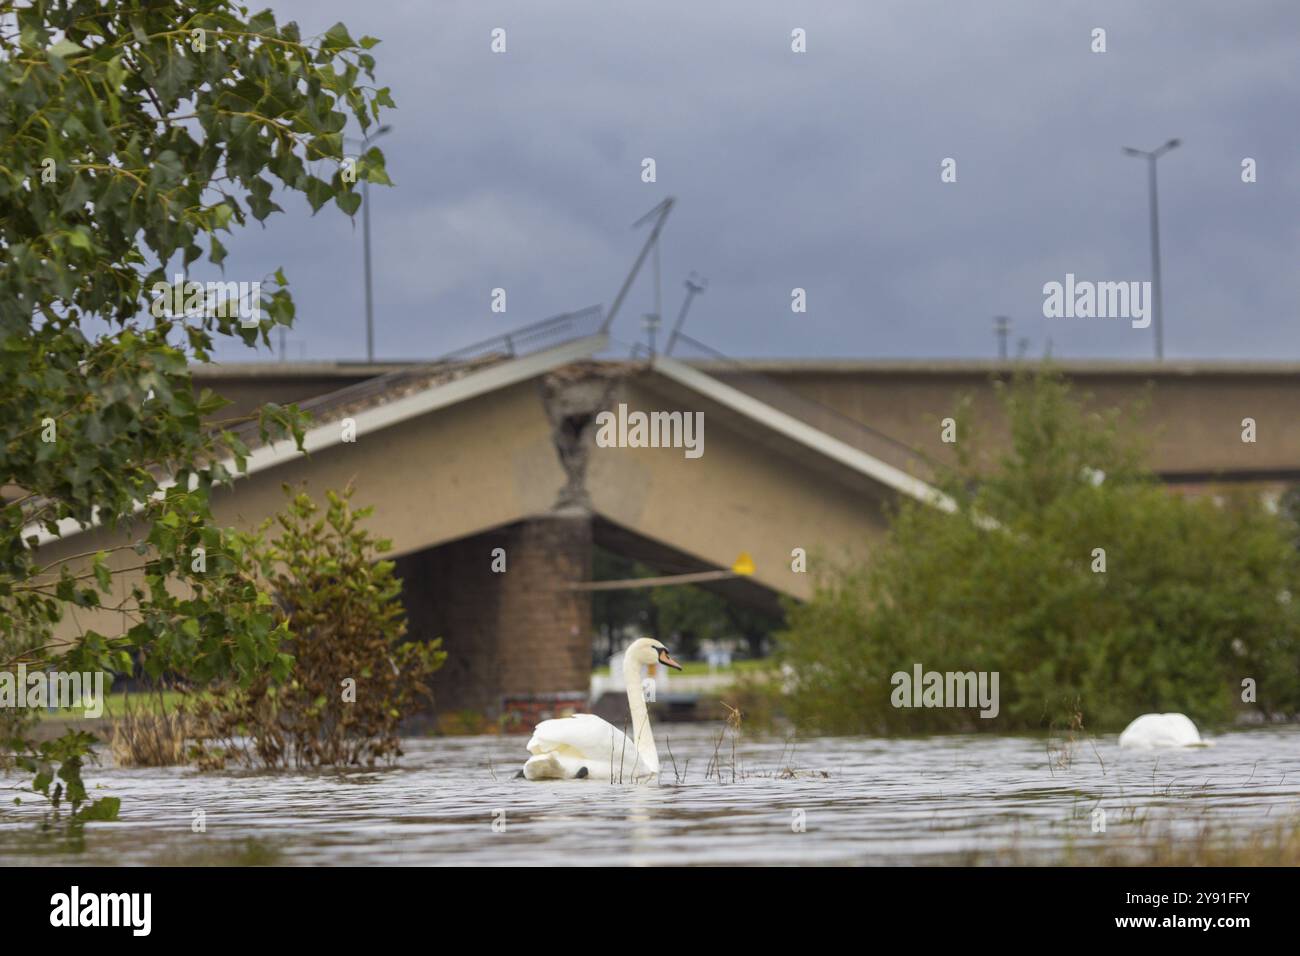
[[818, 170]]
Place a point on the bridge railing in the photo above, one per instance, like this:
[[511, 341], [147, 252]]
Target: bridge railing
[[825, 418], [548, 333], [517, 343]]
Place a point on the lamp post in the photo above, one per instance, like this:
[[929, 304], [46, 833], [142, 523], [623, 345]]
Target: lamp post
[[1001, 326], [1156, 297], [365, 229]]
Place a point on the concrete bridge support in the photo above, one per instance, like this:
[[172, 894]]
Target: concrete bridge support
[[518, 641]]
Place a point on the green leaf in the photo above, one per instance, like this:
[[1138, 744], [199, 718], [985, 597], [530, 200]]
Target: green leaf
[[103, 577], [66, 48], [80, 238], [318, 192], [349, 202], [337, 38], [104, 809]]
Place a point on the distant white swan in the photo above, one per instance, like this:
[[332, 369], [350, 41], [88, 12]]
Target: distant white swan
[[585, 747], [1161, 730]]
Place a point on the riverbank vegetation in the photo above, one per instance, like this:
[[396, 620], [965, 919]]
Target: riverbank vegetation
[[352, 676], [148, 732], [1159, 843], [1072, 572]]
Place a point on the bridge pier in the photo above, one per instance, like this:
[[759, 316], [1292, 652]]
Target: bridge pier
[[518, 641]]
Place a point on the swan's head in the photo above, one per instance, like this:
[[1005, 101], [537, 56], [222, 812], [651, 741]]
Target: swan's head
[[649, 651]]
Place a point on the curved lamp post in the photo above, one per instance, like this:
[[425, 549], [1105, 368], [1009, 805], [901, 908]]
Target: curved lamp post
[[365, 142], [1157, 298]]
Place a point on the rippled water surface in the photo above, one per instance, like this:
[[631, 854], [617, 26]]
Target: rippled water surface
[[861, 800]]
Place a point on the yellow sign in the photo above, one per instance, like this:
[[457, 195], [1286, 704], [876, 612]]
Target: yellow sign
[[744, 564]]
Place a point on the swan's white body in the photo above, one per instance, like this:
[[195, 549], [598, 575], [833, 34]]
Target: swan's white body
[[1161, 730], [563, 747], [584, 746]]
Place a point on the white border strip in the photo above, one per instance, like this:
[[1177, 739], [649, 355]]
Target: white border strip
[[374, 419]]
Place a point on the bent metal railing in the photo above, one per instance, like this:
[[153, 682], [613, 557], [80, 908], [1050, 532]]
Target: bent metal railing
[[517, 343]]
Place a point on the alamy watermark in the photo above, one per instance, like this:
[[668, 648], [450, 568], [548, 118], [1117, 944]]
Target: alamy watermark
[[947, 689], [53, 689], [1098, 300], [75, 908], [651, 430], [193, 299]]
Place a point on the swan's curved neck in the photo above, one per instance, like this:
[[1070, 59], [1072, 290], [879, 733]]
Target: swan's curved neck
[[642, 738]]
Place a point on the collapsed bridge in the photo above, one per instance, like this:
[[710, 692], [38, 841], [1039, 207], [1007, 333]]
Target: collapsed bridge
[[495, 448]]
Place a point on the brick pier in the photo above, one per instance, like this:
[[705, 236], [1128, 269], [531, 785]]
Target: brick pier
[[518, 643]]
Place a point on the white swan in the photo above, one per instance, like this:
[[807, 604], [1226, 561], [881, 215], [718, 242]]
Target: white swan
[[585, 747], [1161, 730]]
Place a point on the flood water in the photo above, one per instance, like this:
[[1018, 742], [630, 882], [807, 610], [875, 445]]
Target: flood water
[[860, 801]]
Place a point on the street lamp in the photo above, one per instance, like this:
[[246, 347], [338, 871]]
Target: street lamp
[[365, 229], [1001, 326], [1157, 300]]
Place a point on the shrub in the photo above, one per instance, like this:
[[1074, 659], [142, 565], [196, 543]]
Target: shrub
[[352, 675], [1195, 596]]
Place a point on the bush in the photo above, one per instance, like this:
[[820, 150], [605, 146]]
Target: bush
[[1195, 597], [352, 675]]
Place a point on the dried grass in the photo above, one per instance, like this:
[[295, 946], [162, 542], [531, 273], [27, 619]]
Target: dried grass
[[148, 734]]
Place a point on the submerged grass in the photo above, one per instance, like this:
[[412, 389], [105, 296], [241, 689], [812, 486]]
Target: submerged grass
[[1157, 844], [724, 765], [148, 734], [249, 851]]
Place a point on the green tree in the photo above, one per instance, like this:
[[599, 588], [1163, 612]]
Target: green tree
[[613, 611], [135, 134], [681, 614], [1196, 594], [687, 615]]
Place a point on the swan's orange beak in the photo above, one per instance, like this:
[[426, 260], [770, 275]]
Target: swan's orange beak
[[665, 659]]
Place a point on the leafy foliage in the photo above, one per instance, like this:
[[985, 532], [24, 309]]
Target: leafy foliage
[[55, 766], [136, 134], [353, 677], [689, 615], [1195, 597]]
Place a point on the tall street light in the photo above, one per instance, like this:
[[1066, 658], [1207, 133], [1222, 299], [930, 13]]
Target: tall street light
[[1001, 326], [1157, 302], [365, 229]]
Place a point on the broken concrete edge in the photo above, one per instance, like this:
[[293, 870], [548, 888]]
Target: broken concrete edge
[[372, 419]]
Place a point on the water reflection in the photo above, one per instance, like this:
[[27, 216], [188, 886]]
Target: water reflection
[[453, 801]]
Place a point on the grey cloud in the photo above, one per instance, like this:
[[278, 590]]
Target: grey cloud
[[818, 171]]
